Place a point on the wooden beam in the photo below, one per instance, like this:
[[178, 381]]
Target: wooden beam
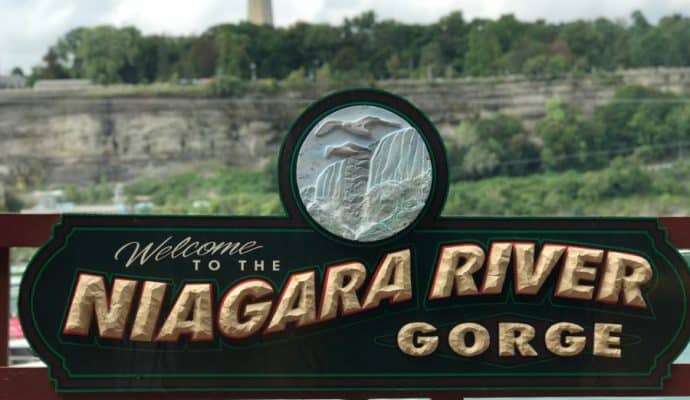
[[4, 305], [33, 383], [32, 230], [26, 230], [678, 230]]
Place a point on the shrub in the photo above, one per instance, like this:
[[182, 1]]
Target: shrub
[[227, 86]]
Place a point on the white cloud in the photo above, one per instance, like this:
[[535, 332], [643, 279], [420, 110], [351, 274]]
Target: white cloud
[[28, 27], [174, 16]]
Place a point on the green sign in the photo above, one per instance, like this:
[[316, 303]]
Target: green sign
[[362, 286]]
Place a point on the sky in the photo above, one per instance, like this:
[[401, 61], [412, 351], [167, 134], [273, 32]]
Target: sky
[[29, 27]]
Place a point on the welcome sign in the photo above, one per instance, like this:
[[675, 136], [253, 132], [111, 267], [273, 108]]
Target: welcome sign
[[361, 287]]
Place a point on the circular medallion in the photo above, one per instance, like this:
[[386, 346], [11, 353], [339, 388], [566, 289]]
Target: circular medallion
[[363, 173]]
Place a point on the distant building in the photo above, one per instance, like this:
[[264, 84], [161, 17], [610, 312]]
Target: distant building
[[62, 84], [12, 82], [260, 12]]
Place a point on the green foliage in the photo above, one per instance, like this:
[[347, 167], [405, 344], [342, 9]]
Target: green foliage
[[364, 47], [228, 85], [345, 59], [650, 125], [544, 66], [90, 194], [271, 170], [216, 190], [12, 202], [625, 188], [22, 255], [431, 60], [492, 146], [483, 53], [569, 140], [50, 69], [642, 117], [297, 79], [266, 85], [624, 177], [108, 54], [324, 76], [17, 71], [678, 121], [233, 58]]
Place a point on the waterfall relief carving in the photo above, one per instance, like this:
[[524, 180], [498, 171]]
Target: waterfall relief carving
[[364, 173]]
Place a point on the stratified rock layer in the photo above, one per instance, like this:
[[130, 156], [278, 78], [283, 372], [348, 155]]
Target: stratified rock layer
[[73, 137]]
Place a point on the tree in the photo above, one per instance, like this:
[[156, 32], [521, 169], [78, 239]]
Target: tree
[[108, 54], [232, 54], [431, 60], [200, 60], [483, 53], [637, 116], [468, 158], [612, 50], [52, 69], [581, 38], [545, 66], [506, 137], [650, 48], [345, 60], [147, 59], [17, 71], [493, 146], [67, 51], [363, 47], [570, 141], [452, 40], [393, 65]]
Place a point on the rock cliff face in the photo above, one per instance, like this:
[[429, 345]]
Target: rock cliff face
[[75, 138]]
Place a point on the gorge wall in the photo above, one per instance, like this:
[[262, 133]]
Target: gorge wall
[[78, 138]]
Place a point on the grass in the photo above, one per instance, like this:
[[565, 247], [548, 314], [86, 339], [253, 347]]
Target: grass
[[150, 90], [626, 188], [214, 190]]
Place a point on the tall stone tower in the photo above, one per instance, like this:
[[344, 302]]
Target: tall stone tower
[[260, 12]]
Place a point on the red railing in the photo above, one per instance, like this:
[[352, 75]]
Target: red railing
[[19, 383]]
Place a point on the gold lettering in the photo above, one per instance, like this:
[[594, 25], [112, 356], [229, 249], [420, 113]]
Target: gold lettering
[[90, 297], [573, 344], [457, 339], [575, 270], [412, 343], [392, 280], [235, 323], [297, 303], [190, 315], [530, 278], [499, 258], [514, 335], [336, 292], [149, 309], [615, 279], [455, 267], [603, 341]]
